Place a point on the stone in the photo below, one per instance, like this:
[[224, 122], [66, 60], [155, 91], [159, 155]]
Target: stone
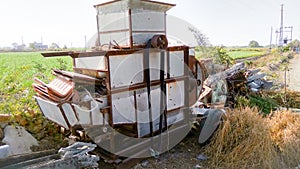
[[4, 151], [202, 157], [197, 166], [19, 140], [145, 163]]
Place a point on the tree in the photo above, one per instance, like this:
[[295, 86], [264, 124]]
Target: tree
[[253, 44], [15, 45], [295, 44], [54, 46], [222, 57], [202, 40]]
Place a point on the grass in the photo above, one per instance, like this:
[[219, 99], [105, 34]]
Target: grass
[[17, 70], [245, 54], [248, 140], [234, 53]]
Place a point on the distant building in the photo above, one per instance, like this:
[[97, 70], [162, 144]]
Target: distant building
[[17, 47], [38, 46]]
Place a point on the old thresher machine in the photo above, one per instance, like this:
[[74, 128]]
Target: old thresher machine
[[132, 93]]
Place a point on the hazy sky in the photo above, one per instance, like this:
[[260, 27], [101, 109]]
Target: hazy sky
[[227, 22]]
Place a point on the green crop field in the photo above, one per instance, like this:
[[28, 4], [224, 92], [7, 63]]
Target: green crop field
[[17, 70], [245, 53]]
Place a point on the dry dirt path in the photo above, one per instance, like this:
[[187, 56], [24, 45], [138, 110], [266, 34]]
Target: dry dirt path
[[293, 74]]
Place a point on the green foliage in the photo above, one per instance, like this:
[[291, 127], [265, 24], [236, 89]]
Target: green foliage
[[222, 57], [256, 49], [263, 102], [253, 44], [245, 54], [62, 64], [218, 53], [234, 53], [285, 48], [295, 43], [17, 71], [204, 51]]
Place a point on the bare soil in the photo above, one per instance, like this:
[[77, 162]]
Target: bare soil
[[292, 74]]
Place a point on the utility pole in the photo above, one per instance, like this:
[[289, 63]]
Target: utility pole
[[85, 42], [281, 27], [289, 29], [276, 38], [22, 40], [291, 33], [271, 38]]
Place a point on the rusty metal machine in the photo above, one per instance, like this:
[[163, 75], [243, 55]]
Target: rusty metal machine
[[131, 94]]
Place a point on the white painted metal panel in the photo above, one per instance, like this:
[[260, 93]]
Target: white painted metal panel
[[144, 128], [155, 66], [142, 103], [97, 117], [175, 117], [126, 70], [175, 95], [84, 116], [95, 62], [147, 20], [172, 118], [143, 115], [113, 21], [122, 38], [70, 114], [89, 117], [177, 63], [123, 109], [52, 112], [116, 7]]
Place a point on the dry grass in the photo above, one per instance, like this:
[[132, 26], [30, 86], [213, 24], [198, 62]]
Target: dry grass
[[285, 132], [247, 140]]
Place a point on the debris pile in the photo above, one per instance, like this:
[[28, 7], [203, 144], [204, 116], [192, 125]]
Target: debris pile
[[80, 150], [73, 96], [62, 87], [223, 87]]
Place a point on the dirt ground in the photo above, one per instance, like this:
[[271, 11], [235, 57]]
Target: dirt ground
[[292, 74], [187, 154]]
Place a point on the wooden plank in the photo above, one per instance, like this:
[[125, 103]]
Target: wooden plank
[[19, 158]]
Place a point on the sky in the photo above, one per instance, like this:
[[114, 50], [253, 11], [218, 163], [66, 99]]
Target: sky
[[224, 22]]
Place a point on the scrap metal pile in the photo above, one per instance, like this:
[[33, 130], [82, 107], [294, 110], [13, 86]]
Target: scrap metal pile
[[136, 86]]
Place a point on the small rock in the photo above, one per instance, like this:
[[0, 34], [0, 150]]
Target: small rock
[[4, 151], [202, 157], [197, 166], [19, 140], [145, 163]]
